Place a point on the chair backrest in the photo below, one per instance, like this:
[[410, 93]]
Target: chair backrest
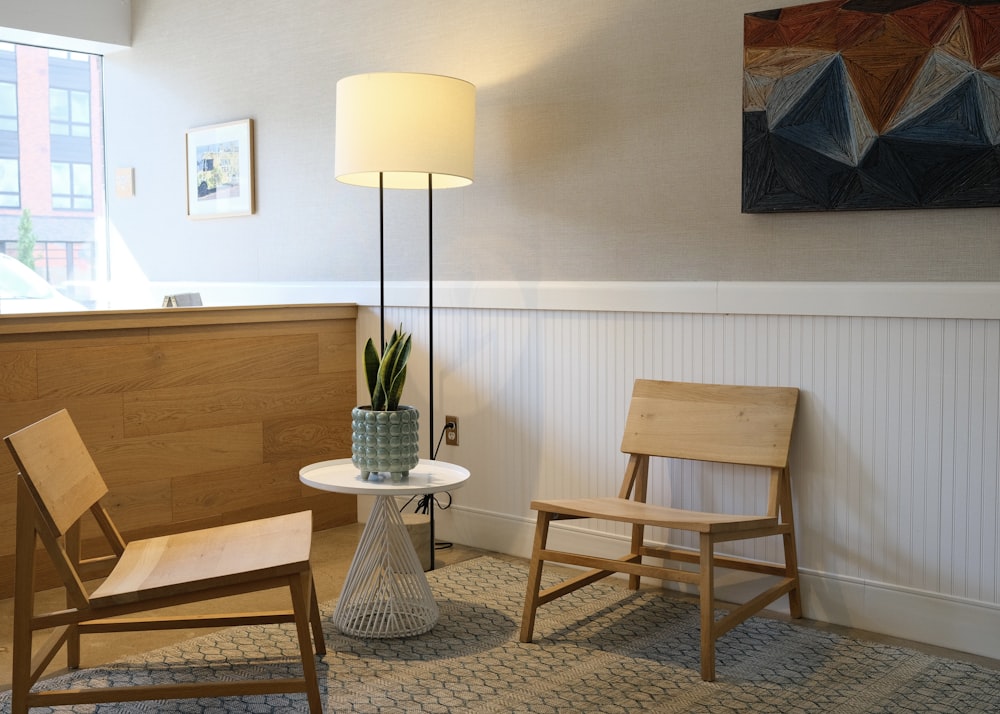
[[711, 422], [57, 469]]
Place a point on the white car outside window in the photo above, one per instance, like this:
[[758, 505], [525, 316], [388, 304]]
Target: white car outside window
[[22, 290]]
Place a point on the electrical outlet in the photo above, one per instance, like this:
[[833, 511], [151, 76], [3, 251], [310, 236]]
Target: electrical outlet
[[451, 433]]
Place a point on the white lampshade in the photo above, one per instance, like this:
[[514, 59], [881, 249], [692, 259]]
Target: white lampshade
[[405, 126]]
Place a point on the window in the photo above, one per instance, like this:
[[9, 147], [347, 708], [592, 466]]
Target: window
[[72, 56], [72, 187], [69, 112], [52, 193], [8, 106], [10, 184], [10, 181]]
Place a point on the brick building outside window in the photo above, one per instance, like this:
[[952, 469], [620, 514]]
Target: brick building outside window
[[52, 160]]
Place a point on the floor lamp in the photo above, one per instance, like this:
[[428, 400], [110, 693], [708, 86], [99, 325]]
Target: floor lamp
[[407, 131]]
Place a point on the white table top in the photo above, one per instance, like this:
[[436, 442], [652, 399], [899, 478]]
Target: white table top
[[342, 476]]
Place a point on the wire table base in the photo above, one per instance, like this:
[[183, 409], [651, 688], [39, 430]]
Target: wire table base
[[385, 592]]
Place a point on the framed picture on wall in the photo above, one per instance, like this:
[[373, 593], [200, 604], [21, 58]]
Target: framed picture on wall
[[220, 170], [893, 104]]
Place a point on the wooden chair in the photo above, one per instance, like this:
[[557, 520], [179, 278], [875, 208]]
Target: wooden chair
[[702, 422], [57, 484]]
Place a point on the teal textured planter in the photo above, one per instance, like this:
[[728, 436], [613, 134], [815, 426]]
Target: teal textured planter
[[385, 442]]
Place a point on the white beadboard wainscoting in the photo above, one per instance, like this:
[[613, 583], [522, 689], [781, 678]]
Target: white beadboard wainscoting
[[896, 451]]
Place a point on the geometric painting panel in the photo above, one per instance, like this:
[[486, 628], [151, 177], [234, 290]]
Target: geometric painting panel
[[871, 104]]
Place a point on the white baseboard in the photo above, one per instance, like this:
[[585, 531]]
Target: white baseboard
[[962, 625]]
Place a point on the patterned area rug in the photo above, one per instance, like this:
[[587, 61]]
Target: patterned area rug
[[602, 649]]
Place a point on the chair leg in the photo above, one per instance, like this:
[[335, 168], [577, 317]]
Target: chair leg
[[792, 570], [73, 647], [534, 577], [706, 591], [21, 646], [73, 546], [301, 586], [638, 536], [791, 556], [24, 595], [319, 641]]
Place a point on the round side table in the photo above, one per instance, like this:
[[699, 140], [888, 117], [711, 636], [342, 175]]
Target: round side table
[[385, 593]]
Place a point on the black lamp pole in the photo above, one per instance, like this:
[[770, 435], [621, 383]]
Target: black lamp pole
[[381, 264], [430, 343]]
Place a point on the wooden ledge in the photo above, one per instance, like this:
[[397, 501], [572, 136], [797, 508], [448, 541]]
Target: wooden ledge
[[170, 317]]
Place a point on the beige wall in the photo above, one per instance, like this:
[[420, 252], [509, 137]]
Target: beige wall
[[608, 148]]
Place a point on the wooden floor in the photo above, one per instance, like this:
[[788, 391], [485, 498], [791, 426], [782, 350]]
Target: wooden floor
[[331, 556]]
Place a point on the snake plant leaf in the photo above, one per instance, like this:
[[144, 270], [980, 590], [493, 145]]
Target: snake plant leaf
[[371, 363], [397, 373], [395, 391], [402, 354], [386, 375], [385, 367]]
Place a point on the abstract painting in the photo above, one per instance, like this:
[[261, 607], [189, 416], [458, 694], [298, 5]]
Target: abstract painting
[[872, 104]]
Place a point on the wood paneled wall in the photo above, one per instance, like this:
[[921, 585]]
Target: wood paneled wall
[[195, 416]]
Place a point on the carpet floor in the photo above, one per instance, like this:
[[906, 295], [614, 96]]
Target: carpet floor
[[601, 649]]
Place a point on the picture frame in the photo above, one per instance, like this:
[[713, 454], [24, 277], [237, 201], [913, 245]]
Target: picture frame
[[871, 106], [220, 170]]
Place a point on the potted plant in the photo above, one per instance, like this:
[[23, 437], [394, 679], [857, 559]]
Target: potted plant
[[385, 434]]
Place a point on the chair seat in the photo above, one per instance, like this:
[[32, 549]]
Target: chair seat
[[627, 511], [189, 562]]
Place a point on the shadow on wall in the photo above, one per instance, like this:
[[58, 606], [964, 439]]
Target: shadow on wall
[[588, 132]]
